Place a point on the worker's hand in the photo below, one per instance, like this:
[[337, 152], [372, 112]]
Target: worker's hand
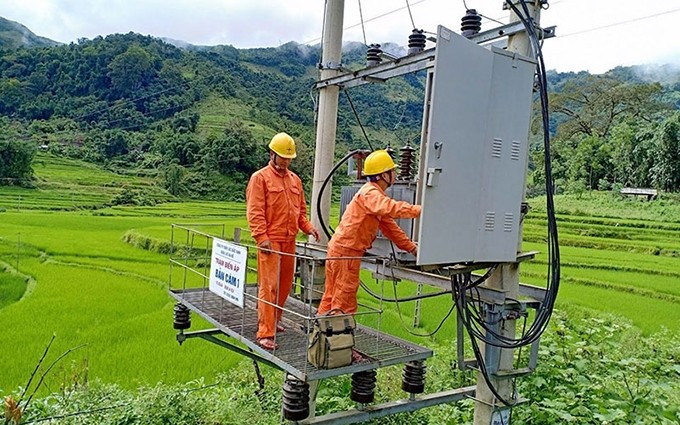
[[264, 246], [316, 235], [414, 251]]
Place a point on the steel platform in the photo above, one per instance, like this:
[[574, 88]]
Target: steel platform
[[378, 349]]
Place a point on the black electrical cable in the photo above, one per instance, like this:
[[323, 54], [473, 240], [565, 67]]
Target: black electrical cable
[[356, 115], [405, 299], [401, 319], [545, 310], [458, 286], [323, 187], [471, 312]]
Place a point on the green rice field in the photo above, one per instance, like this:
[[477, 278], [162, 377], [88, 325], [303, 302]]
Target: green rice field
[[70, 267]]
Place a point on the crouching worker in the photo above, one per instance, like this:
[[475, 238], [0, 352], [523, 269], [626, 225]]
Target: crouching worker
[[370, 209], [276, 211]]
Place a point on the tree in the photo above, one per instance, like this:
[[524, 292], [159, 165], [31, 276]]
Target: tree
[[173, 178], [15, 161], [666, 170], [235, 151], [130, 70], [592, 106]]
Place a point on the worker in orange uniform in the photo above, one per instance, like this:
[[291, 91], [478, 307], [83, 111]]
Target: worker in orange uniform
[[276, 211], [370, 209]]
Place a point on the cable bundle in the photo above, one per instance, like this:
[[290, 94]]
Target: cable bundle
[[471, 311]]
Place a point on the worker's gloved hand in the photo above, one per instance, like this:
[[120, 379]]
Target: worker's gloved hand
[[264, 246], [414, 251], [315, 233]]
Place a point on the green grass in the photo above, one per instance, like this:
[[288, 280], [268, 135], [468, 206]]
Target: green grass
[[67, 184], [12, 288], [217, 112], [602, 204], [617, 255], [108, 297]]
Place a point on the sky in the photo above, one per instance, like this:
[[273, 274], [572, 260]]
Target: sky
[[591, 35]]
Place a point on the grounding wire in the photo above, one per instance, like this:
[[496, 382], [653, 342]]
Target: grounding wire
[[425, 335], [328, 178]]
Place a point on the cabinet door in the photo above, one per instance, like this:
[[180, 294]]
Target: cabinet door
[[476, 153]]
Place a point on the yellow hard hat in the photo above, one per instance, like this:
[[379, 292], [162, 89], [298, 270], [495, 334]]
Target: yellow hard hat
[[283, 145], [377, 163]]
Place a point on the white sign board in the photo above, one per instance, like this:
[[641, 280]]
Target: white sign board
[[228, 271]]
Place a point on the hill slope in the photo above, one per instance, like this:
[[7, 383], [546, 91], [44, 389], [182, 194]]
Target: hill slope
[[14, 35]]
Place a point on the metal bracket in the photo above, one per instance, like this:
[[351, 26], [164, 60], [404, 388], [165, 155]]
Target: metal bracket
[[508, 30], [330, 66], [209, 335]]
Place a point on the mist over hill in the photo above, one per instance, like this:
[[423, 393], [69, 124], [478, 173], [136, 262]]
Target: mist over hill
[[14, 35]]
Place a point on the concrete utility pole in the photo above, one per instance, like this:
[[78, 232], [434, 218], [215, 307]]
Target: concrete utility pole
[[326, 125], [328, 111], [505, 278]]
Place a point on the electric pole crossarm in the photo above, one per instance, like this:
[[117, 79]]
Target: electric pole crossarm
[[384, 71], [506, 31]]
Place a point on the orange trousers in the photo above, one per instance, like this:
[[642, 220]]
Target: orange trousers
[[275, 277], [342, 282]]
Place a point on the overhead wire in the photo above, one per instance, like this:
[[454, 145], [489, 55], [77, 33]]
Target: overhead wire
[[641, 18], [483, 16], [356, 115], [410, 14], [365, 21], [363, 27]]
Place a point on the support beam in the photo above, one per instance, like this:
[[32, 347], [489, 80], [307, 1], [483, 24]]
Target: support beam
[[209, 335], [391, 408]]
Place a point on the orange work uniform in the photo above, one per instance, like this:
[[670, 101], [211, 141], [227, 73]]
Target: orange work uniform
[[276, 211], [370, 209]]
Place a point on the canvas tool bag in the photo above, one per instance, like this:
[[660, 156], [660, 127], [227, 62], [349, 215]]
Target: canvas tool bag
[[331, 341]]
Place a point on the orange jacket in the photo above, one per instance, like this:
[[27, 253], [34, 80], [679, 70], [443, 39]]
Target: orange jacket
[[275, 205], [371, 209]]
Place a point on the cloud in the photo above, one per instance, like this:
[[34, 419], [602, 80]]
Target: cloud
[[591, 35]]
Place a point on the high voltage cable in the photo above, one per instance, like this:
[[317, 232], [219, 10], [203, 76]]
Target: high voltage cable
[[504, 17], [668, 12], [371, 19]]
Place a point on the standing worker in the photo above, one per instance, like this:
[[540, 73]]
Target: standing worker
[[370, 209], [276, 211]]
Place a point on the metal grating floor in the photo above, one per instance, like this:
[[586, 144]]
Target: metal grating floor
[[378, 349]]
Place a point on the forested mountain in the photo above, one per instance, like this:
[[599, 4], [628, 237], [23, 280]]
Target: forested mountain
[[199, 118]]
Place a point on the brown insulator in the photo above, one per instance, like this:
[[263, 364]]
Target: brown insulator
[[363, 386], [295, 399], [373, 55], [181, 317], [413, 377], [406, 160], [416, 41], [471, 23]]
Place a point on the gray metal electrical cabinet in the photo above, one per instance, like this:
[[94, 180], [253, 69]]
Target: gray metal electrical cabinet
[[475, 153]]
